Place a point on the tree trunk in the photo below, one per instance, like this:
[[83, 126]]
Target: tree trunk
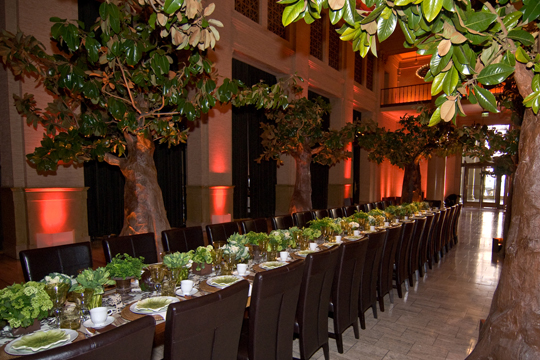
[[511, 331], [144, 210], [412, 183], [301, 197]]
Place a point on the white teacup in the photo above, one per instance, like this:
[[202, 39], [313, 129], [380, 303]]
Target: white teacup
[[338, 239], [242, 269], [186, 286], [356, 232], [312, 246], [386, 224], [283, 255], [99, 315]]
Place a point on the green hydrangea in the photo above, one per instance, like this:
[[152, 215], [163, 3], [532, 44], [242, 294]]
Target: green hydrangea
[[20, 304]]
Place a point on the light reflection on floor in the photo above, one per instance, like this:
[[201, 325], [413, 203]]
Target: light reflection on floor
[[438, 318]]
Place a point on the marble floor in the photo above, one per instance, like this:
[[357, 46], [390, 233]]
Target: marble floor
[[439, 317]]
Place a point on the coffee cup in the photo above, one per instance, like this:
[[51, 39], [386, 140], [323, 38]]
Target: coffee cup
[[356, 232], [312, 246], [242, 269], [338, 239], [283, 255], [99, 315], [186, 286]]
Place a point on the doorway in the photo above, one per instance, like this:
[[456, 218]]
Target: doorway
[[481, 188]]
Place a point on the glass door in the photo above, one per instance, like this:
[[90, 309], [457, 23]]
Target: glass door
[[482, 189]]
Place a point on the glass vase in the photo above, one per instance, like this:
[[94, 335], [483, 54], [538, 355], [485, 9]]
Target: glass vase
[[179, 274], [94, 300]]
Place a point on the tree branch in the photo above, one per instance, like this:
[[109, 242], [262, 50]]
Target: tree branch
[[114, 160], [317, 150], [127, 87]]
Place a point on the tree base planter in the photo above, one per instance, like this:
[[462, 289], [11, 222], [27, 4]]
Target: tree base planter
[[26, 330], [123, 286], [205, 269]]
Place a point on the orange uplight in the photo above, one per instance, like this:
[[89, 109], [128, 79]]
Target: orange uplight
[[348, 165], [219, 199], [347, 191], [52, 209], [218, 163]]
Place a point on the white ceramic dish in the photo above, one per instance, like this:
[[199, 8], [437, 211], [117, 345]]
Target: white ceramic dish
[[193, 291], [11, 351], [89, 324], [136, 310]]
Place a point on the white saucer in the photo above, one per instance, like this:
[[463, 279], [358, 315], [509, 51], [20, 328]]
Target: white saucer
[[179, 292], [89, 324]]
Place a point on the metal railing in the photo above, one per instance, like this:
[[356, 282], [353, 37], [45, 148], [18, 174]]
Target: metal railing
[[406, 94]]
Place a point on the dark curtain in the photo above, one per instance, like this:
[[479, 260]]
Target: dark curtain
[[357, 116], [254, 184], [106, 183], [319, 173]]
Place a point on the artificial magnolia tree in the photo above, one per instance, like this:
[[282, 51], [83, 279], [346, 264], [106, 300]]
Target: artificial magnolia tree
[[472, 46], [130, 79], [297, 131]]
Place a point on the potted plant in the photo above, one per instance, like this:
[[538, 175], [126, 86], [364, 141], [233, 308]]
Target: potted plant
[[202, 260], [92, 283], [178, 263], [122, 269], [23, 305]]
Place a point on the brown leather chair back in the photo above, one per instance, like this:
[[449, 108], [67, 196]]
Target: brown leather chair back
[[268, 333], [282, 222], [132, 341], [320, 214], [423, 246], [256, 225], [301, 219], [207, 327], [65, 259], [368, 284], [402, 255], [335, 213], [134, 245], [182, 239], [412, 264], [221, 232], [386, 269], [349, 210], [312, 312], [433, 239], [344, 297]]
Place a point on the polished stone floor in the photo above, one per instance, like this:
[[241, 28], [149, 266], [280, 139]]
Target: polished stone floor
[[439, 317]]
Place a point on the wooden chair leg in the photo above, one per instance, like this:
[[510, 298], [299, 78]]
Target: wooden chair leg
[[326, 351], [374, 308], [356, 330], [362, 321]]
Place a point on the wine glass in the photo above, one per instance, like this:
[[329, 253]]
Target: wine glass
[[58, 294], [217, 254], [156, 274]]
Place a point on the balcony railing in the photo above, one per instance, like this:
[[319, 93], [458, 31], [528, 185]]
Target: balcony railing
[[406, 94]]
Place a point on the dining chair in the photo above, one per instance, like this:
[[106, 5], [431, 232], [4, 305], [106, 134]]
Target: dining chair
[[386, 268], [65, 259], [437, 250], [368, 207], [456, 222], [348, 210], [132, 341], [432, 239], [343, 307], [320, 214], [414, 248], [367, 297], [282, 222], [449, 239], [221, 232], [402, 256], [302, 218], [423, 247], [335, 213], [207, 327], [134, 245], [182, 239], [311, 325], [256, 225], [267, 333]]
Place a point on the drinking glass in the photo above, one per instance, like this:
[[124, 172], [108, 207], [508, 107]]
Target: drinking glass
[[58, 294], [217, 255], [70, 317]]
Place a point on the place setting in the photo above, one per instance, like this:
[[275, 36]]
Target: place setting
[[219, 282], [155, 306], [40, 340]]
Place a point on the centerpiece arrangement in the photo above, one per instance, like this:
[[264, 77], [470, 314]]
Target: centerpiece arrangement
[[235, 251], [178, 264], [23, 305], [202, 260], [91, 282], [57, 286], [122, 269], [257, 243]]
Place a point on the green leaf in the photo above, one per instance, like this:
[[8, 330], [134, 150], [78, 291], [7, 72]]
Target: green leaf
[[486, 99], [70, 35], [511, 20], [385, 28], [494, 74], [479, 21], [522, 56], [57, 20], [535, 85], [374, 14], [335, 15], [437, 85], [403, 2], [291, 12], [349, 9], [449, 5], [532, 11], [171, 6], [409, 34], [431, 8], [436, 117], [522, 36], [92, 46], [133, 52], [116, 108], [451, 80]]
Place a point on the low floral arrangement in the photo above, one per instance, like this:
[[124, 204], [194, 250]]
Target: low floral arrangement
[[178, 260], [56, 278], [238, 240], [21, 304], [94, 279], [240, 252], [379, 217], [282, 238], [408, 209], [254, 238], [391, 212], [361, 218], [326, 222], [203, 255], [311, 234], [124, 266]]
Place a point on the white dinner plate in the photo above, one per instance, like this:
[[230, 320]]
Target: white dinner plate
[[89, 324], [136, 310], [11, 351]]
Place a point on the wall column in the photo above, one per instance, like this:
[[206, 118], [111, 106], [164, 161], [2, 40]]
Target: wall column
[[436, 178]]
